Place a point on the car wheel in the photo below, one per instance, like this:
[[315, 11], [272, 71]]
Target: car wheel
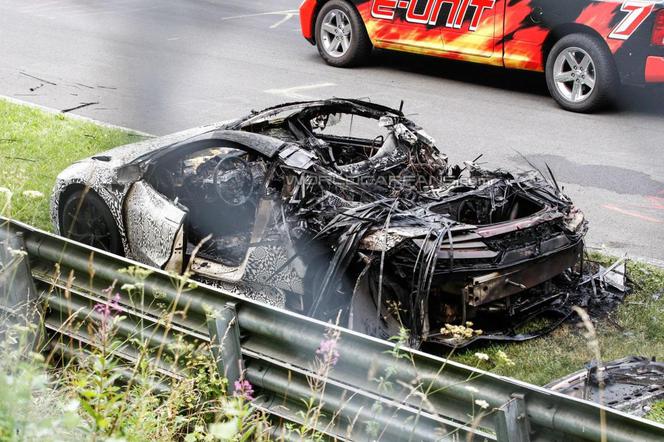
[[580, 73], [341, 37], [85, 218]]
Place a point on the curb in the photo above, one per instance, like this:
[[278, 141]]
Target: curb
[[51, 110], [617, 253]]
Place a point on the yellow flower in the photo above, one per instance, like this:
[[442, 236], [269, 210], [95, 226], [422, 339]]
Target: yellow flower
[[458, 331], [504, 359]]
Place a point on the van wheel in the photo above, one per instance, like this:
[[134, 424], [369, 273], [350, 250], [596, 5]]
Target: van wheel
[[581, 74]]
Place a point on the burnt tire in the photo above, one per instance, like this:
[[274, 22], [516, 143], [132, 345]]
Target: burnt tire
[[341, 36], [581, 74], [84, 217]]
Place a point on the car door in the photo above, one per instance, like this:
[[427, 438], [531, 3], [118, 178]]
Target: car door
[[470, 27], [154, 227], [406, 25]]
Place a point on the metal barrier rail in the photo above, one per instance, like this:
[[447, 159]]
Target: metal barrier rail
[[430, 398]]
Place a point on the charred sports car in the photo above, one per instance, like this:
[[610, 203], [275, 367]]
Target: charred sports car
[[585, 47], [331, 208]]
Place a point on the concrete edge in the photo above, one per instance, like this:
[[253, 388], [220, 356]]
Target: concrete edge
[[54, 111]]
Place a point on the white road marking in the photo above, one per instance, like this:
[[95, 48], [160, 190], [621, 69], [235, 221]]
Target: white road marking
[[294, 92], [282, 21], [290, 12]]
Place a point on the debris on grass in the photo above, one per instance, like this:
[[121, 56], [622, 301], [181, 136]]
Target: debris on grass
[[632, 384]]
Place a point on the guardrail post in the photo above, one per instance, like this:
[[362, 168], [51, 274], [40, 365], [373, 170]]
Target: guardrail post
[[225, 343], [18, 296], [512, 421]]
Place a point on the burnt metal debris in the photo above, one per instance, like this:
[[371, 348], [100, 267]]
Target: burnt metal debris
[[347, 206], [632, 384]]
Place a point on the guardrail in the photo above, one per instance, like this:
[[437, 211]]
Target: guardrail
[[429, 398]]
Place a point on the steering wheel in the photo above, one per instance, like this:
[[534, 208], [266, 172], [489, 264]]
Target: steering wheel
[[233, 180]]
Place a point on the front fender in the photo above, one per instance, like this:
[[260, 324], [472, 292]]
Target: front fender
[[98, 178]]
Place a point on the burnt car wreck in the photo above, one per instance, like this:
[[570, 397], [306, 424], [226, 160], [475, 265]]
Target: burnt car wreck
[[336, 208]]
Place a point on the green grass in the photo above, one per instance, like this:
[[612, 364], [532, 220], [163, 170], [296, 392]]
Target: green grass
[[657, 412], [35, 146]]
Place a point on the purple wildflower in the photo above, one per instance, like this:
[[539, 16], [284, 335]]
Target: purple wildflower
[[106, 310], [243, 389], [328, 352]]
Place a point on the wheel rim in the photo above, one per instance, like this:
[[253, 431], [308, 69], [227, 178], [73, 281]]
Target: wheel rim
[[87, 226], [574, 74], [336, 33]]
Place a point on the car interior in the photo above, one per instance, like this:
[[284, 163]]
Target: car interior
[[219, 187]]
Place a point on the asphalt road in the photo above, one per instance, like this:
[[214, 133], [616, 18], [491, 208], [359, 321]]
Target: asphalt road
[[164, 65]]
